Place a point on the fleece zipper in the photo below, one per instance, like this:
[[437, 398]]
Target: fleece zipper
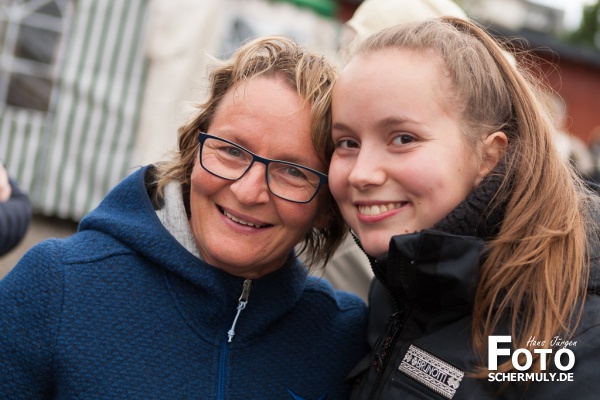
[[242, 301]]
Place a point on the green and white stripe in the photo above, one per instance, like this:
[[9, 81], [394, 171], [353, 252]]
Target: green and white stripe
[[92, 124]]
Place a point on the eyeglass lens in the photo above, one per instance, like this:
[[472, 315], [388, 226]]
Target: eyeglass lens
[[285, 180]]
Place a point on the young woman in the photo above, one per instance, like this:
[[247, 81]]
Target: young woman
[[183, 283], [481, 238]]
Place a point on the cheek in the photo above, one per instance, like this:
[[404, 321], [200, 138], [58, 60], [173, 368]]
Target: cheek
[[419, 176], [302, 217], [444, 186], [338, 179], [298, 218], [204, 184]]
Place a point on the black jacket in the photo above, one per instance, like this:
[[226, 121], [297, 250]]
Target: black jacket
[[420, 329], [15, 214]]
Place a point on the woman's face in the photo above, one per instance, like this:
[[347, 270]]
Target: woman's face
[[401, 162], [239, 226]]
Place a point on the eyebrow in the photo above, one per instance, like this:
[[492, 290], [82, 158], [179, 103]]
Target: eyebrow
[[341, 126], [292, 158], [393, 121], [384, 123]]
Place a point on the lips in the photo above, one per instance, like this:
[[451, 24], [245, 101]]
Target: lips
[[374, 210], [243, 222]]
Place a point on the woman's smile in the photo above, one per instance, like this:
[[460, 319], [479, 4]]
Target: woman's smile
[[243, 220], [374, 210]]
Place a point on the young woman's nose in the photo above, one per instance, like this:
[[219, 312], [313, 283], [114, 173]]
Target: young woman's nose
[[368, 170], [252, 187]]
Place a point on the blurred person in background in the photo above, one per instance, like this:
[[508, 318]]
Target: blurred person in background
[[15, 212], [183, 282], [447, 169], [595, 151]]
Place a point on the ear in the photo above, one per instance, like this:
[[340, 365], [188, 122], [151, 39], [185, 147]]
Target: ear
[[493, 148]]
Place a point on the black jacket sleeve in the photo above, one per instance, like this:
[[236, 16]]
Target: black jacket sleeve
[[15, 214]]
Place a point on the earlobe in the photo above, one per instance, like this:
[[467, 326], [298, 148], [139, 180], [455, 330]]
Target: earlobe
[[494, 147]]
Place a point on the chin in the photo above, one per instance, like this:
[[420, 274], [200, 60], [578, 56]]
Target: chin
[[376, 250]]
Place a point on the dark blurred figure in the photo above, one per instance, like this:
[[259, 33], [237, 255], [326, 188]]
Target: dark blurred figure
[[595, 151], [15, 212]]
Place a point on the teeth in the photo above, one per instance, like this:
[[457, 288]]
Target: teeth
[[378, 209], [240, 221]]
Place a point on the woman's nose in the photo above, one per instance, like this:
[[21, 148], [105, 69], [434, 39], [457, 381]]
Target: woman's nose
[[368, 170], [252, 187]]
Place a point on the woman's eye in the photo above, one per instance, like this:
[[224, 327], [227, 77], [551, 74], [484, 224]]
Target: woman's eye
[[294, 172], [404, 139], [233, 151], [346, 144]]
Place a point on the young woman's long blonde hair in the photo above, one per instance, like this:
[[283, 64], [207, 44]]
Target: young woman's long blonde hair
[[536, 269]]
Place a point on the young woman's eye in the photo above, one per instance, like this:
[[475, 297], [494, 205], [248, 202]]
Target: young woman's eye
[[346, 144], [404, 139]]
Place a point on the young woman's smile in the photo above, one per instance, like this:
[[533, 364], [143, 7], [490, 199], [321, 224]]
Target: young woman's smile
[[369, 213]]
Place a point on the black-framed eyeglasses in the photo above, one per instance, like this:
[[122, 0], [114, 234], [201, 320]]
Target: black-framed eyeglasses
[[286, 180]]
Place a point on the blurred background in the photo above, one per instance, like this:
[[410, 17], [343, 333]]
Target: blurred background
[[92, 89]]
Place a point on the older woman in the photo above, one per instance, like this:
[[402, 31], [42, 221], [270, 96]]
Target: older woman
[[184, 283], [481, 237]]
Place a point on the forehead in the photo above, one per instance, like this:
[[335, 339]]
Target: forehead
[[399, 72], [268, 117], [267, 96], [391, 62], [395, 89]]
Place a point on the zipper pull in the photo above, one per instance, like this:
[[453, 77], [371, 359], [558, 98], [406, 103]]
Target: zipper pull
[[243, 300]]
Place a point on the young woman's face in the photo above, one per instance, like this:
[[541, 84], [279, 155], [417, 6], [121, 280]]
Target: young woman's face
[[240, 226], [401, 162]]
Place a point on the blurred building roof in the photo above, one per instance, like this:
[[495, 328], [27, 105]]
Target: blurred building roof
[[543, 43], [540, 25], [517, 14]]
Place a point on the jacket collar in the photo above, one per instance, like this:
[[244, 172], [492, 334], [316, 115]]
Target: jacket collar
[[433, 274], [206, 296]]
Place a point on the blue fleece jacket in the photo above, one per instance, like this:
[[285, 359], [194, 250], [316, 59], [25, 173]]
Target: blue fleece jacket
[[121, 310]]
